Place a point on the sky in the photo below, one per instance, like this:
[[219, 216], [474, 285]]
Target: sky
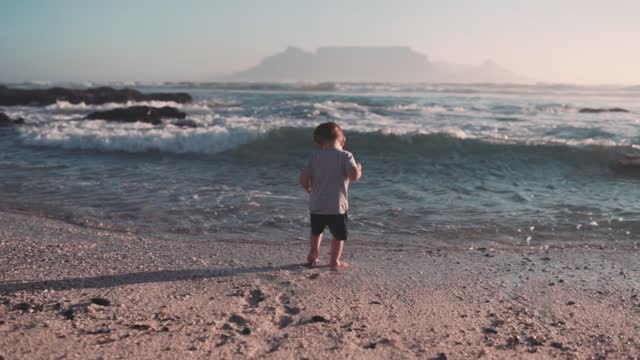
[[560, 41]]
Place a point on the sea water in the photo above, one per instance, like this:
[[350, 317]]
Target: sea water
[[519, 164]]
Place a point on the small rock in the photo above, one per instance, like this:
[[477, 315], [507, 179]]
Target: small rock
[[292, 310], [319, 318], [98, 331], [68, 314], [513, 341], [285, 321], [389, 341], [140, 326], [23, 306], [238, 320], [100, 301], [105, 340], [441, 356], [571, 302], [557, 345], [163, 315], [534, 341], [223, 340], [246, 331]]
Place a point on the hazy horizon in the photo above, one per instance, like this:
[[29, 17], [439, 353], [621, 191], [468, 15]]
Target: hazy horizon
[[578, 42]]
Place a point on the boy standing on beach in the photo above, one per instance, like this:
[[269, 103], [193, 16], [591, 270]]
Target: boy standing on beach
[[325, 176]]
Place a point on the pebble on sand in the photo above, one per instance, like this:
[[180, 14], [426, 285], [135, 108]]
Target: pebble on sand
[[238, 320], [100, 301], [319, 318]]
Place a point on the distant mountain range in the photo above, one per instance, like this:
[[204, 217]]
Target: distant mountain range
[[370, 64]]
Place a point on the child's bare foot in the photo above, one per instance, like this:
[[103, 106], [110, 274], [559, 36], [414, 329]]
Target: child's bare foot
[[339, 265], [312, 259]]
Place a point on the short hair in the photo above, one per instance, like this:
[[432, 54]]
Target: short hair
[[327, 132]]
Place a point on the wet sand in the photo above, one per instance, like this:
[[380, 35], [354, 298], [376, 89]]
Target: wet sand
[[77, 293]]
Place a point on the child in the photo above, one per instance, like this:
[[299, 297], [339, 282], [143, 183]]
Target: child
[[325, 176]]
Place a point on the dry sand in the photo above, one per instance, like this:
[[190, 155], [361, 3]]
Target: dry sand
[[76, 293]]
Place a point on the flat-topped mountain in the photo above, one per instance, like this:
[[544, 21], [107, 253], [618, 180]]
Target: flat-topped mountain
[[369, 64]]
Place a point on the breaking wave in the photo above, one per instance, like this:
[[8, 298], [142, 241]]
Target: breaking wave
[[138, 137]]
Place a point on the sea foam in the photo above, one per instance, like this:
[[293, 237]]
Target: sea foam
[[138, 137]]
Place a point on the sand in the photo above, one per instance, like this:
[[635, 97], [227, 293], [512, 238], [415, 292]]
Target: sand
[[78, 293]]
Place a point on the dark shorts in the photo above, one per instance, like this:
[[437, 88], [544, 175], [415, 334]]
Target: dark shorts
[[337, 225]]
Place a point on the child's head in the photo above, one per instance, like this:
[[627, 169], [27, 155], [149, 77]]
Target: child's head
[[328, 133]]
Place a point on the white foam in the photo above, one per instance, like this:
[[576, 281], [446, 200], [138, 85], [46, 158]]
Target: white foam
[[427, 109], [339, 110], [138, 137], [67, 106]]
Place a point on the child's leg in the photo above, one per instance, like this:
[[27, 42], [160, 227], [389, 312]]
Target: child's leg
[[314, 250], [336, 253]]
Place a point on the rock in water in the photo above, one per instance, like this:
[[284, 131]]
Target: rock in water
[[5, 120], [601, 110], [186, 123], [146, 114], [92, 96]]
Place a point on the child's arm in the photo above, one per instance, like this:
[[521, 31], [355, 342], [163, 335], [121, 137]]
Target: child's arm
[[305, 176], [355, 173], [305, 180]]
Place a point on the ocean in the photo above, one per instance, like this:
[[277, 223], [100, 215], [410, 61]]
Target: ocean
[[513, 164]]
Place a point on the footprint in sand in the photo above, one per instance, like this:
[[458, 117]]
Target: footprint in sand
[[256, 296]]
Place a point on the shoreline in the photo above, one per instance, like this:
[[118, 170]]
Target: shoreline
[[206, 298]]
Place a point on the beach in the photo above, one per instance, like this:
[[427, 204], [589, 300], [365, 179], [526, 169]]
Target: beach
[[167, 171], [75, 292], [492, 221]]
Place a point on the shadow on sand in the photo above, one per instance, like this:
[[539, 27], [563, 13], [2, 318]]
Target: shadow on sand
[[106, 281]]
